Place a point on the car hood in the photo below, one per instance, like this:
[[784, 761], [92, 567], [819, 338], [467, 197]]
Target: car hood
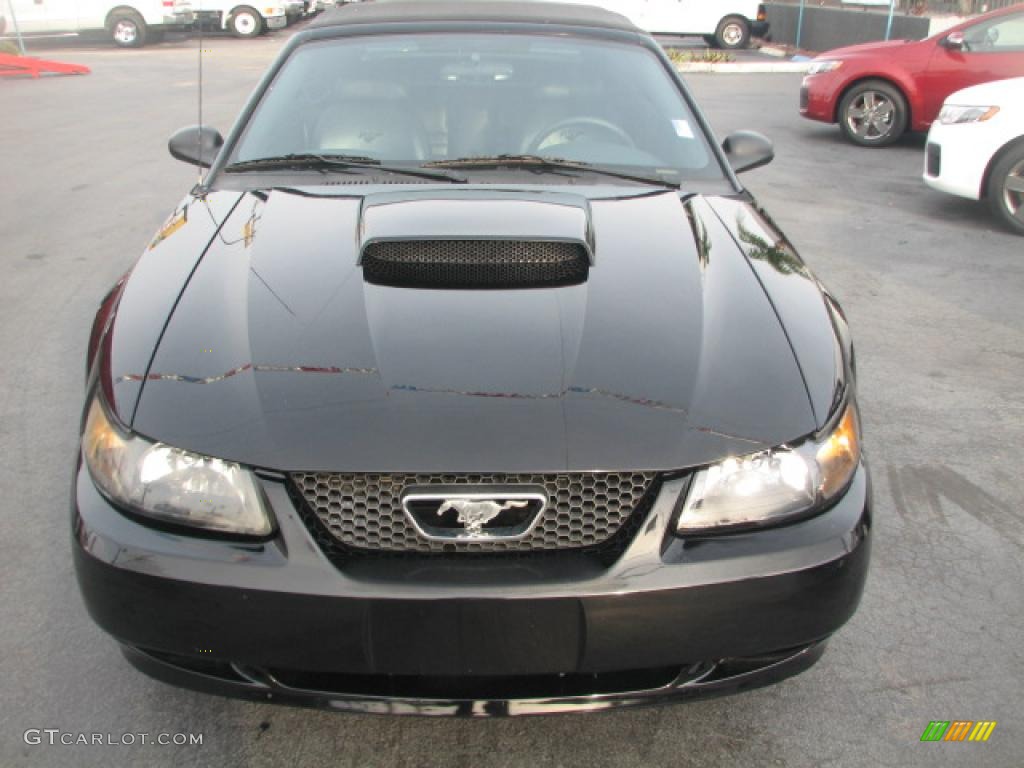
[[998, 92], [881, 47], [280, 354]]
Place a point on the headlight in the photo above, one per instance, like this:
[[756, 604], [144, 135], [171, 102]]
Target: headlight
[[170, 484], [769, 486], [827, 65], [952, 114]]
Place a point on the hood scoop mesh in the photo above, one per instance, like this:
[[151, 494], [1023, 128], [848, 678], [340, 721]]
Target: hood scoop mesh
[[475, 238], [467, 263]]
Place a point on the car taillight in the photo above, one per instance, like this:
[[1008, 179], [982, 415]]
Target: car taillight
[[762, 14], [168, 3]]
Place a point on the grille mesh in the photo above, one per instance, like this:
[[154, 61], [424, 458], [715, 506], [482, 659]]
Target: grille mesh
[[364, 511], [474, 263]]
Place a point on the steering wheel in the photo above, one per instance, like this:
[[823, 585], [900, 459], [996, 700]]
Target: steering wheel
[[604, 126]]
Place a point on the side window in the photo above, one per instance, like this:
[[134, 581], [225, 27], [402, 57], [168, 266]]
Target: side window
[[999, 35]]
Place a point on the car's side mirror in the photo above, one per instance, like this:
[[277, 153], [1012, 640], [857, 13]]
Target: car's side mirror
[[954, 41], [746, 150], [197, 145]]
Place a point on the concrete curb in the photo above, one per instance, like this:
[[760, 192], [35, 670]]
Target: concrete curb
[[744, 67]]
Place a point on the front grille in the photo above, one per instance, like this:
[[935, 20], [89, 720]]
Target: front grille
[[474, 263], [933, 159], [585, 510]]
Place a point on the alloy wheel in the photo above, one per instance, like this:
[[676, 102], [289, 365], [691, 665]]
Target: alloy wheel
[[125, 31], [245, 24], [732, 34], [1013, 192], [870, 115]]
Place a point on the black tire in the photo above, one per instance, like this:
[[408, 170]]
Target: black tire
[[873, 113], [733, 33], [710, 40], [1005, 189], [127, 29], [245, 22]]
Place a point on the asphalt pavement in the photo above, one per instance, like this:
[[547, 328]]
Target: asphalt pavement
[[933, 292]]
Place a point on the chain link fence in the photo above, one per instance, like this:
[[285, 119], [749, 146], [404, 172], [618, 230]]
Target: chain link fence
[[919, 7], [962, 7]]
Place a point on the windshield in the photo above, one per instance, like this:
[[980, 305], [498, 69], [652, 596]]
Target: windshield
[[429, 98]]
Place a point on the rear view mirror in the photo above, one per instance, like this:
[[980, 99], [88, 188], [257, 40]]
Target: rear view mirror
[[954, 41], [197, 145], [746, 150]]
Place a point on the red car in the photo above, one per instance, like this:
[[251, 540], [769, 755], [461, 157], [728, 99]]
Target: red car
[[878, 91]]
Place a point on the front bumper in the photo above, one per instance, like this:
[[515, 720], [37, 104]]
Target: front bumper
[[956, 158], [697, 681], [474, 636], [819, 95]]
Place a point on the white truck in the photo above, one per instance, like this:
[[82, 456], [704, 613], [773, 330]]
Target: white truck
[[726, 24], [130, 23], [242, 18]]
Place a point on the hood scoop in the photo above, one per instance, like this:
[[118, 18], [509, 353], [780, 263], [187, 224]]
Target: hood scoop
[[475, 263], [480, 240]]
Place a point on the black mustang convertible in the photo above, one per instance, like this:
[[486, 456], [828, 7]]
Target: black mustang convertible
[[470, 381]]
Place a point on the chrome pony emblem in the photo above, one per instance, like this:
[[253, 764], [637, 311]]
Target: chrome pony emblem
[[476, 514], [481, 513]]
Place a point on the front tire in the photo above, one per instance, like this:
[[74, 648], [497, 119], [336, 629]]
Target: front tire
[[733, 32], [1005, 190], [127, 29], [245, 22], [873, 114]]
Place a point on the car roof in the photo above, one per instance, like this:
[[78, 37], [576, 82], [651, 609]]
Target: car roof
[[485, 11]]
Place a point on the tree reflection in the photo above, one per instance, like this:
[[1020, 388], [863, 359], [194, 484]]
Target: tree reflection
[[778, 255], [700, 237]]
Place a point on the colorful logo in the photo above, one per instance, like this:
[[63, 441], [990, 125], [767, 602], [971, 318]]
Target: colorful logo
[[958, 730]]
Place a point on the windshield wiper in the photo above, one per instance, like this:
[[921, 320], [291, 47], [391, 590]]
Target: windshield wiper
[[539, 163], [338, 163]]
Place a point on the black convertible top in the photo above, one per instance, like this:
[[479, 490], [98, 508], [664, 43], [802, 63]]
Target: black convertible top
[[519, 11]]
